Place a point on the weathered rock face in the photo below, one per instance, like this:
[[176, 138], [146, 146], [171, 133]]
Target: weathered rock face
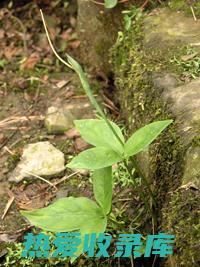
[[166, 28], [184, 102], [41, 159], [59, 118], [58, 121], [150, 89], [97, 29]]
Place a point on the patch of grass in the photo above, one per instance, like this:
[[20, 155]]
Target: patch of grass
[[185, 6], [3, 63], [121, 176], [12, 161], [188, 63]]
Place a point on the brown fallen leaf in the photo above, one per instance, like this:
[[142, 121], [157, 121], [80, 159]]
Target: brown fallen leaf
[[2, 33], [74, 44], [188, 57], [62, 83], [80, 144], [30, 62], [73, 21], [11, 51], [2, 138], [66, 35], [8, 205], [34, 196], [72, 133]]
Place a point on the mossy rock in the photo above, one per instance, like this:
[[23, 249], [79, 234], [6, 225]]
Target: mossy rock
[[150, 87]]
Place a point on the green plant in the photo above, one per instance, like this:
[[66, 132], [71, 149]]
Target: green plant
[[133, 13], [3, 63], [121, 175], [110, 3], [110, 147], [189, 63]]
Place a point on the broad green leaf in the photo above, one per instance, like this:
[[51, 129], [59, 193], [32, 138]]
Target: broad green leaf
[[144, 137], [69, 214], [95, 158], [102, 187], [98, 133], [110, 3]]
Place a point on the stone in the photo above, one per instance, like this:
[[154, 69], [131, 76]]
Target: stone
[[166, 29], [41, 159], [97, 29], [184, 101], [192, 167], [58, 120], [164, 81], [80, 109], [150, 88]]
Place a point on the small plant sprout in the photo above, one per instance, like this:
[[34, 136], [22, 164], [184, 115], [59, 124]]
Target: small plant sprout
[[109, 147]]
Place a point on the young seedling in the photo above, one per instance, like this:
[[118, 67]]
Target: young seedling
[[110, 147]]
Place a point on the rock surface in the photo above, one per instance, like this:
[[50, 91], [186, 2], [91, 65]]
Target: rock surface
[[184, 101], [58, 120], [41, 159], [166, 28], [80, 109], [97, 29], [150, 88]]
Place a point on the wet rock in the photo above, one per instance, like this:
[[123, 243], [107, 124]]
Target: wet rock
[[58, 120], [41, 159]]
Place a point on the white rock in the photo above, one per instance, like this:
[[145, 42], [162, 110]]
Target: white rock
[[41, 159], [58, 121]]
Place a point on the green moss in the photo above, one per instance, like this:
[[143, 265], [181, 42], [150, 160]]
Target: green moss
[[185, 6], [196, 140], [141, 103], [12, 161], [182, 219]]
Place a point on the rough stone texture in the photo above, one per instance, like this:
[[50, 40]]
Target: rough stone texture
[[41, 159], [80, 109], [149, 89], [165, 29], [58, 120], [97, 29], [184, 101], [192, 168]]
